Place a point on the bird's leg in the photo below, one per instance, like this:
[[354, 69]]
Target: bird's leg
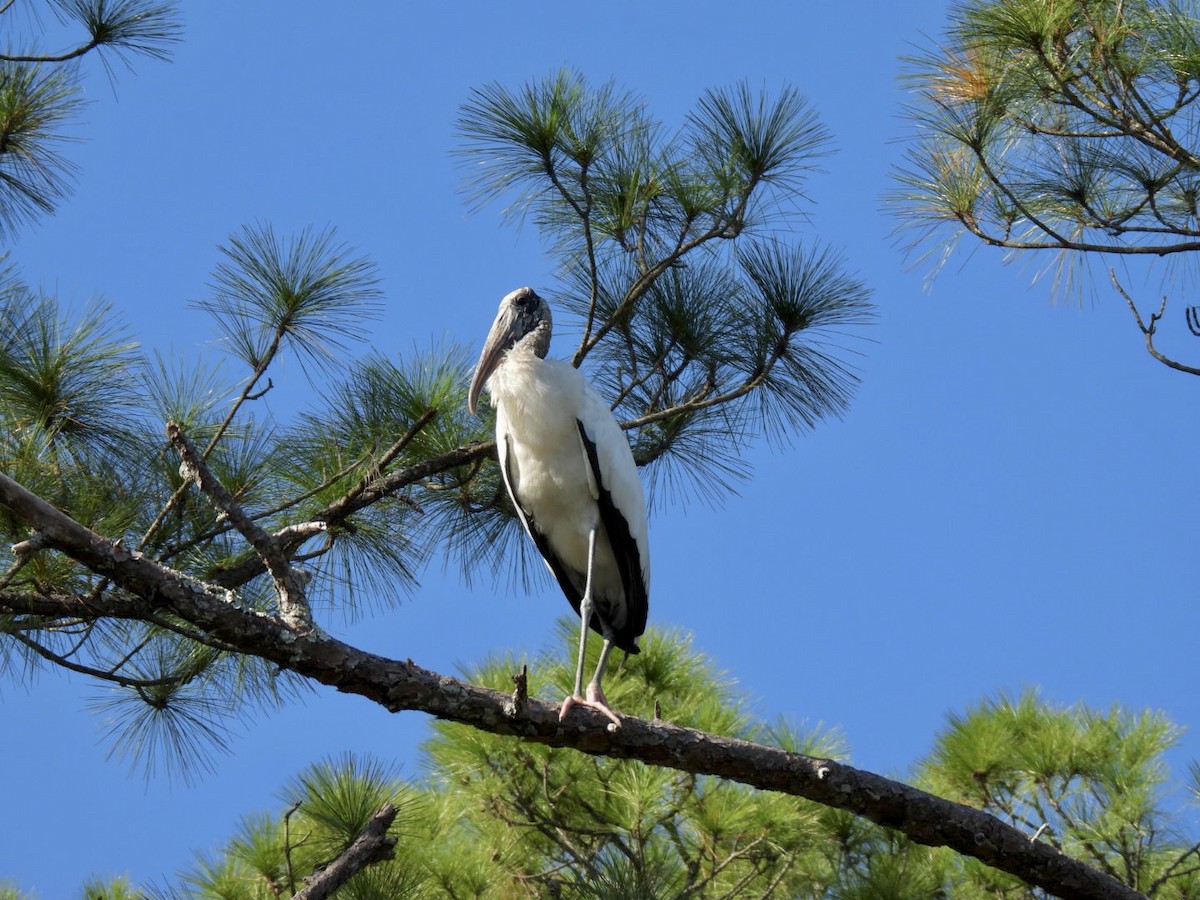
[[595, 697], [594, 693], [585, 614]]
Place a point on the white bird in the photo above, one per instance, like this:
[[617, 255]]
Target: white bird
[[571, 476]]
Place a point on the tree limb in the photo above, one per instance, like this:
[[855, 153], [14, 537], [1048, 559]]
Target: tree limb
[[400, 685], [371, 846]]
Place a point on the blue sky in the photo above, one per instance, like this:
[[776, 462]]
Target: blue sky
[[1008, 503]]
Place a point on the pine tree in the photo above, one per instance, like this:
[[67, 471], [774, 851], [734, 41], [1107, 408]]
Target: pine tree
[[190, 574]]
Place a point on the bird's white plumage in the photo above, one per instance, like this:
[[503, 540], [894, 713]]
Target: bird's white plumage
[[538, 405]]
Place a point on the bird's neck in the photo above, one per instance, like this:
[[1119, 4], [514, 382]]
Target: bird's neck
[[535, 343]]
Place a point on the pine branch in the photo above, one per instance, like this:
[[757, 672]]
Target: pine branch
[[402, 685], [124, 26], [109, 675], [246, 395], [289, 582], [390, 454], [371, 846]]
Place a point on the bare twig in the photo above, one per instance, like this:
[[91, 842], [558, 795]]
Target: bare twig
[[11, 572], [1148, 329], [258, 395]]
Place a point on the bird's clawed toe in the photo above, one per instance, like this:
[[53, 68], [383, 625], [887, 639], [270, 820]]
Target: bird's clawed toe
[[594, 700]]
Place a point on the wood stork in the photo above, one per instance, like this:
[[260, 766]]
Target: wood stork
[[571, 476]]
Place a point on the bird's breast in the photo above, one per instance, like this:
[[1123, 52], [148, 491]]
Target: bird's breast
[[537, 405], [544, 410]]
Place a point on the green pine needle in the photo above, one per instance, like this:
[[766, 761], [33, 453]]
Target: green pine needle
[[307, 294]]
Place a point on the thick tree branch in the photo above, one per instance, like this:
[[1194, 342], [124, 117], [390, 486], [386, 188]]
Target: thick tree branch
[[71, 606], [397, 685], [371, 846]]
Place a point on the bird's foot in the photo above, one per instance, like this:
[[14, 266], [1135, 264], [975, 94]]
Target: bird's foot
[[595, 700]]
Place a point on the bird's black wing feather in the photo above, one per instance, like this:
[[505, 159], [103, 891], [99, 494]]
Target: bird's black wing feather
[[625, 550]]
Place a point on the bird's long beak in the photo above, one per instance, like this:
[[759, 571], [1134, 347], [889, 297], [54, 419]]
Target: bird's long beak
[[498, 341]]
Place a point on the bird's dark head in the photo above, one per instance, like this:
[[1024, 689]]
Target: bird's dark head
[[523, 320]]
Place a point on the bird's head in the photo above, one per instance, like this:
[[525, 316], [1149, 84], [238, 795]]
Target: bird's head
[[523, 320]]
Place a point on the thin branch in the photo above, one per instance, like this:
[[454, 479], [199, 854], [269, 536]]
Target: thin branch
[[284, 534], [340, 509], [1148, 329], [725, 226], [246, 395], [655, 368], [1090, 846], [734, 855], [972, 225], [704, 401], [390, 454], [81, 50], [584, 212], [554, 832], [287, 846], [372, 845], [691, 863], [783, 870], [1171, 872], [258, 395], [337, 512], [101, 674], [736, 888], [11, 573]]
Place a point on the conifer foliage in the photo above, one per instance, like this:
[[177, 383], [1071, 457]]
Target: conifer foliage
[[1064, 130]]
